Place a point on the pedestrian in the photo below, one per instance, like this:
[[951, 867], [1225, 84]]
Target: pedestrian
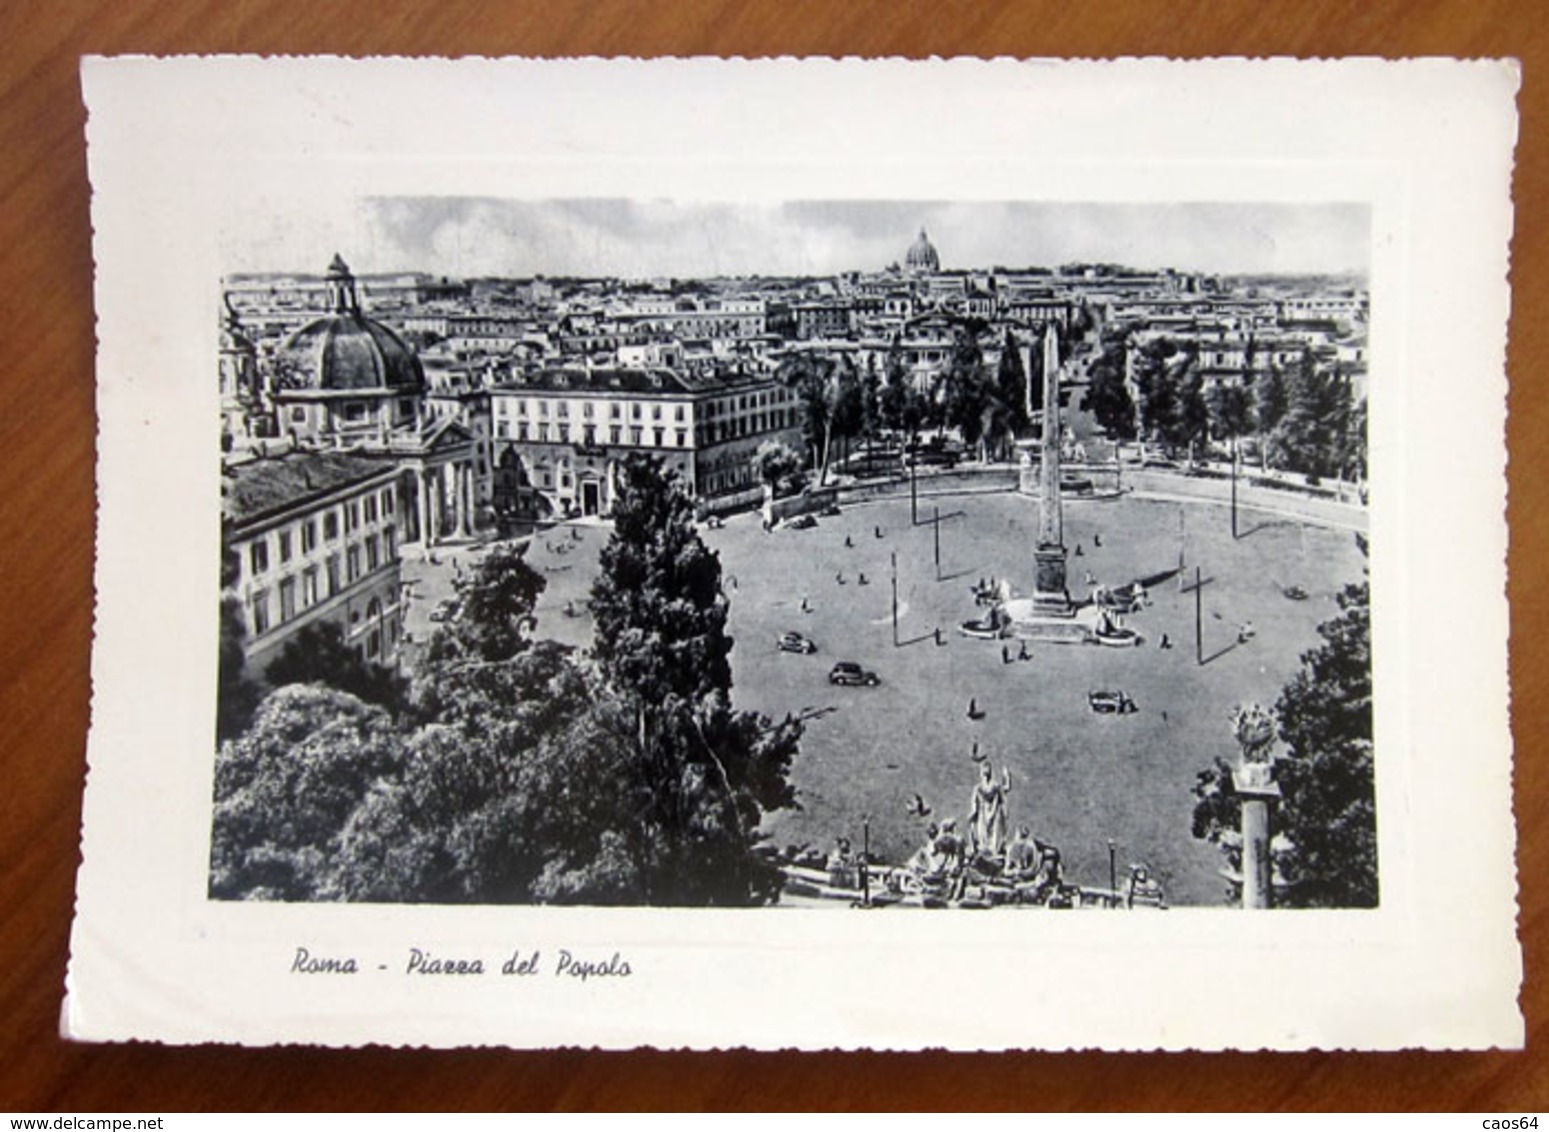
[[937, 634], [1079, 552], [862, 580], [1097, 539], [876, 532], [848, 542], [973, 708], [1005, 654], [805, 608], [1022, 653], [839, 577], [1165, 643]]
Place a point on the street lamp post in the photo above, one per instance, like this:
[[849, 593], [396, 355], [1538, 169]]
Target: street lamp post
[[1199, 618], [895, 598], [1234, 488], [914, 491], [936, 523]]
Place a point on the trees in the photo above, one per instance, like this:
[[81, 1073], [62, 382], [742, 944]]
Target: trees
[[967, 395], [660, 616], [899, 403], [317, 654], [1107, 395], [491, 794], [1008, 416], [1312, 434], [774, 463], [831, 398], [699, 774], [522, 774], [1270, 401], [1329, 814], [236, 692], [285, 790], [1230, 406], [1326, 847]]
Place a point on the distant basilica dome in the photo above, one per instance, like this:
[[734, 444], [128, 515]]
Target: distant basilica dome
[[922, 256], [345, 350]]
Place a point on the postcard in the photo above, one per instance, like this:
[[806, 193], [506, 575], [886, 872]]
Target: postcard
[[800, 554]]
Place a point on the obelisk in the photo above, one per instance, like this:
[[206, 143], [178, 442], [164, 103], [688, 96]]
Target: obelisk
[[1050, 597]]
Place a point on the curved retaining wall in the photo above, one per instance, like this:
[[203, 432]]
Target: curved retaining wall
[[1316, 508]]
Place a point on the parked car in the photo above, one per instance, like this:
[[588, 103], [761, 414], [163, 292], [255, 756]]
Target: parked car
[[795, 642], [849, 673], [801, 523], [446, 610], [1111, 703]]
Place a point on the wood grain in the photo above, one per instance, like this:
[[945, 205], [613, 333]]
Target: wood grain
[[46, 529]]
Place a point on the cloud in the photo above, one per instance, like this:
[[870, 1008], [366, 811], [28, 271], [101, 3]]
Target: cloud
[[468, 236]]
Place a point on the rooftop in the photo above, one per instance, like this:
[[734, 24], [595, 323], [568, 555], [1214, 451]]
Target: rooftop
[[266, 485], [627, 379]]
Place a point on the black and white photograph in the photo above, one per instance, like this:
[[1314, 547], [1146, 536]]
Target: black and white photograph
[[981, 555], [827, 553]]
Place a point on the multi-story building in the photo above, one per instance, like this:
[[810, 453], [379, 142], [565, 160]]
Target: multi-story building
[[312, 537], [694, 320], [559, 434], [348, 382], [831, 318]]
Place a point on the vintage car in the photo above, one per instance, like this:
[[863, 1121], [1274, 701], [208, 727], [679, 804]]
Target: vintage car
[[795, 642], [801, 523], [1110, 703], [849, 673], [446, 610]]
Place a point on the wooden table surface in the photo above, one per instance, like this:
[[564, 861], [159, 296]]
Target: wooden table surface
[[46, 550]]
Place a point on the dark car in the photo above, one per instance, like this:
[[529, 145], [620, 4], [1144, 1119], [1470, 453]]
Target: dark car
[[1111, 703], [446, 610], [801, 523], [850, 673], [795, 642]]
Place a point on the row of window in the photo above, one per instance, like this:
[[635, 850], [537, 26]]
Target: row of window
[[615, 410], [541, 408], [658, 436], [299, 592], [637, 436], [355, 513]]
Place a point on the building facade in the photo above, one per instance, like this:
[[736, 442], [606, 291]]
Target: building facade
[[314, 537], [560, 434]]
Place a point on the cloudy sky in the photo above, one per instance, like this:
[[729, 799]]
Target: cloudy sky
[[461, 236]]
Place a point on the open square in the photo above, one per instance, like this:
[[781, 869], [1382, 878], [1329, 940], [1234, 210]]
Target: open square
[[1079, 778]]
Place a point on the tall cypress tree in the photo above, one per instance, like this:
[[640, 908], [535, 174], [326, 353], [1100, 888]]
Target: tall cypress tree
[[701, 774]]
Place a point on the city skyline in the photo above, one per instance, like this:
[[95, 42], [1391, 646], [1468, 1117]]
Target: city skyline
[[639, 239]]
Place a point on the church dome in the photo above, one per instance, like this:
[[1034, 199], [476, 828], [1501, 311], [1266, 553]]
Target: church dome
[[345, 350], [922, 255]]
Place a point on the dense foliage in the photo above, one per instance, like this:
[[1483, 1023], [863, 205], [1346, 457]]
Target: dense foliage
[[1325, 849], [515, 770]]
